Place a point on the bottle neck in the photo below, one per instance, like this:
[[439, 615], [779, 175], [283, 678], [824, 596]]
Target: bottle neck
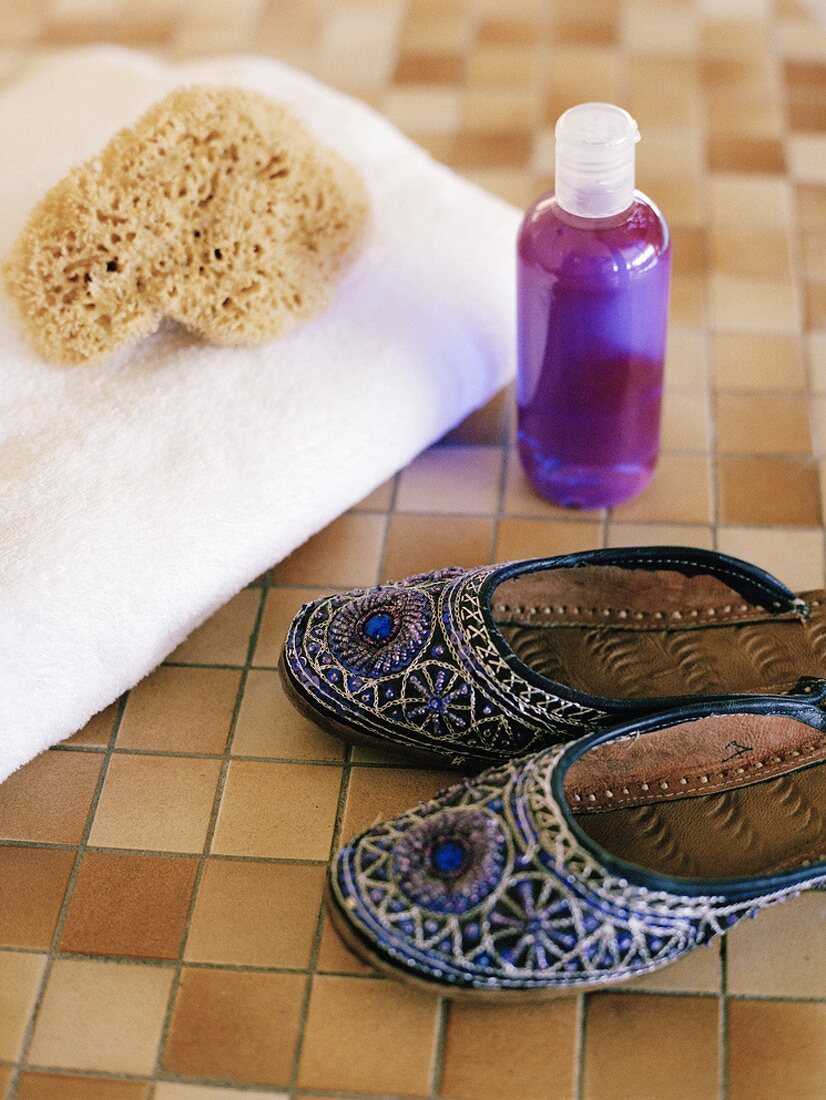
[[577, 221]]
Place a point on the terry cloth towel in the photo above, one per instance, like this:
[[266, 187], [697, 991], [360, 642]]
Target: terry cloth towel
[[138, 496]]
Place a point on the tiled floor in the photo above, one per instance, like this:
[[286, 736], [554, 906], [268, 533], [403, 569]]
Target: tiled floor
[[160, 875]]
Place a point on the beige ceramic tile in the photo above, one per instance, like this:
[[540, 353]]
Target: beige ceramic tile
[[659, 534], [685, 421], [807, 157], [664, 502], [745, 304], [180, 710], [539, 538], [411, 108], [765, 424], [101, 1016], [776, 1048], [282, 604], [780, 953], [223, 639], [281, 810], [767, 491], [235, 1025], [455, 479], [334, 956], [635, 1041], [377, 793], [345, 554], [393, 1030], [170, 1090], [479, 1045], [796, 557], [748, 200], [416, 544], [32, 887], [20, 978], [48, 800], [157, 803], [269, 725], [64, 1086], [746, 362], [255, 914]]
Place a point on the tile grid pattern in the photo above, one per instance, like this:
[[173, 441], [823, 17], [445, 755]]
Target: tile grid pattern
[[170, 857]]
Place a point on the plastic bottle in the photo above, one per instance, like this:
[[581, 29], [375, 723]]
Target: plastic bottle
[[594, 264]]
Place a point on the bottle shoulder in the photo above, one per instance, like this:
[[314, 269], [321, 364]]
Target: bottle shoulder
[[555, 242]]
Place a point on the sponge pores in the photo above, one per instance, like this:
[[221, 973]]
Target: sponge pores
[[218, 209]]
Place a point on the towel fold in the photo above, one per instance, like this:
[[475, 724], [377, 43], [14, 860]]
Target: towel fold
[[138, 496]]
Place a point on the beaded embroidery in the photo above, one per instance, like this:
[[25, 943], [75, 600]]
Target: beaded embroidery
[[538, 910], [414, 662]]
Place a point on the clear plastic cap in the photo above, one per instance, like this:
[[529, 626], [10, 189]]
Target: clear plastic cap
[[595, 160]]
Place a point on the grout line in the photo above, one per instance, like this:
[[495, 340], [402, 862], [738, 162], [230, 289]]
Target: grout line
[[723, 1021], [579, 1046], [22, 1061], [204, 854], [335, 839], [437, 1069]]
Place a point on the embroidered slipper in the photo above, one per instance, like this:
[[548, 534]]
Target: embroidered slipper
[[473, 667], [585, 866]]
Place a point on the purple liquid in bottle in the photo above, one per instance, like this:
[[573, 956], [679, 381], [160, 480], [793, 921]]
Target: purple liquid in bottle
[[593, 305]]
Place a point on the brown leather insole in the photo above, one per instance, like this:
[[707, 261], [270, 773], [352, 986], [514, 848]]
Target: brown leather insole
[[630, 634], [642, 798]]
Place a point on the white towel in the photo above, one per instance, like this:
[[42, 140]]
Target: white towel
[[138, 496]]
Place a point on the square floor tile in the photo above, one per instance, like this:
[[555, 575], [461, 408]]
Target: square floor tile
[[659, 534], [743, 361], [377, 793], [169, 1090], [392, 1028], [129, 905], [282, 605], [685, 421], [481, 1041], [160, 803], [635, 1041], [780, 953], [235, 1026], [749, 251], [280, 810], [776, 1048], [679, 493], [768, 491], [455, 479], [776, 424], [180, 710], [743, 199], [796, 556], [417, 544], [61, 1086], [101, 1016], [346, 554], [224, 638], [539, 538], [97, 731], [269, 725], [753, 304], [32, 887], [48, 800], [20, 978], [255, 914]]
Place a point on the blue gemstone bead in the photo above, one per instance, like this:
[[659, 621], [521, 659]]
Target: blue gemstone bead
[[448, 857], [379, 626]]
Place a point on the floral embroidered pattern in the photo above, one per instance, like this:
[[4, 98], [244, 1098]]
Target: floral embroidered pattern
[[537, 911], [413, 664]]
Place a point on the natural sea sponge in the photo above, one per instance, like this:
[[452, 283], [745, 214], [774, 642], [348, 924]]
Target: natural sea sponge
[[218, 209]]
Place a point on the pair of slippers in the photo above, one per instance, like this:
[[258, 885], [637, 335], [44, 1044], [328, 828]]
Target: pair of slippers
[[653, 725]]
